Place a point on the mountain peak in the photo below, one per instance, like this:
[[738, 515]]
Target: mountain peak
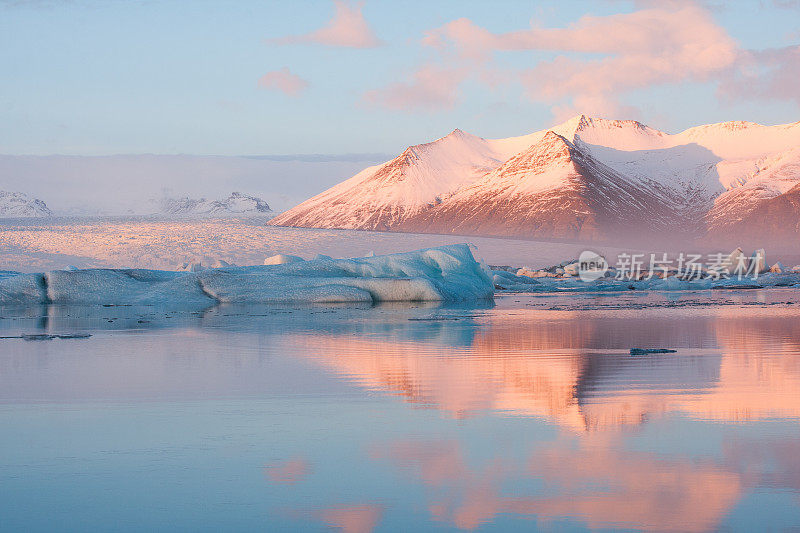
[[17, 204], [551, 151], [552, 137], [575, 179], [235, 204]]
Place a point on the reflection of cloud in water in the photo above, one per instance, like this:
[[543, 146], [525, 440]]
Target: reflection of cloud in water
[[361, 518], [573, 368], [288, 472], [595, 482]]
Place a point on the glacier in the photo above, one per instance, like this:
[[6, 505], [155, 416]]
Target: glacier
[[446, 273]]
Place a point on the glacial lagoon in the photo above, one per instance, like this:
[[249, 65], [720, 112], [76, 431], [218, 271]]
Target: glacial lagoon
[[523, 413]]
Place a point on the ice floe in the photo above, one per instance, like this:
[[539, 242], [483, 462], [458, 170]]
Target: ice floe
[[734, 271], [445, 273]]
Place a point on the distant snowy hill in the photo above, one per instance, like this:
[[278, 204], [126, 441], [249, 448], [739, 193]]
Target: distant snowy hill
[[134, 184], [588, 179], [17, 204], [237, 204]]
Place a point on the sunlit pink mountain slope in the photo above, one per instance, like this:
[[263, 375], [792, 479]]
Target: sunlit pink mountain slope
[[587, 179]]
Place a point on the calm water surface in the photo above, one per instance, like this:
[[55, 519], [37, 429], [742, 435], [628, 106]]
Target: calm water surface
[[524, 414]]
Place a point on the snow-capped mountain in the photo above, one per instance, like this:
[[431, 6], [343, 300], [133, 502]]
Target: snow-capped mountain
[[553, 188], [588, 179], [17, 204], [237, 204], [383, 196]]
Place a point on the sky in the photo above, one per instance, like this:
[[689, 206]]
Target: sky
[[90, 77]]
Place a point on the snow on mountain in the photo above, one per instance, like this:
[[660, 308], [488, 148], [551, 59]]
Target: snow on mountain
[[17, 204], [133, 184], [775, 219], [586, 178], [552, 188], [382, 196], [237, 204]]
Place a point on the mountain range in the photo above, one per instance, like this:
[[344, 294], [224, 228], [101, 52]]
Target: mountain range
[[587, 179], [20, 205], [237, 204]]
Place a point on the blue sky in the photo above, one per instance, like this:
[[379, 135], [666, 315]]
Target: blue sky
[[89, 77]]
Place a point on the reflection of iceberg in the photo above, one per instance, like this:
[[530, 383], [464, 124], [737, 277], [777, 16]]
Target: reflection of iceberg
[[445, 273]]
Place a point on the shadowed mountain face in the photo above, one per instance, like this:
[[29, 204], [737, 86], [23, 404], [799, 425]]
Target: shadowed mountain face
[[552, 189], [587, 179], [776, 219]]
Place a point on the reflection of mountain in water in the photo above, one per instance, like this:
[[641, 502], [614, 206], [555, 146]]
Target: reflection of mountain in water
[[574, 368]]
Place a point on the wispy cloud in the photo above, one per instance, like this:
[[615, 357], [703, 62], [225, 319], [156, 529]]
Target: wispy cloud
[[598, 58], [597, 61], [764, 74], [431, 87], [348, 28], [283, 80]]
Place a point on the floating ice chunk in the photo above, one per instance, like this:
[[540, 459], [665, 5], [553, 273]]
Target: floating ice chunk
[[758, 262], [777, 268], [22, 289], [736, 259], [507, 281], [446, 273], [124, 287], [646, 351], [535, 273], [571, 269], [282, 259]]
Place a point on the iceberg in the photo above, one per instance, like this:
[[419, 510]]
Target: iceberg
[[758, 262], [447, 273], [507, 281], [282, 259]]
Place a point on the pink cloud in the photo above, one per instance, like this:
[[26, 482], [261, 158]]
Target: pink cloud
[[652, 46], [283, 80], [596, 61], [432, 87], [764, 74], [348, 28]]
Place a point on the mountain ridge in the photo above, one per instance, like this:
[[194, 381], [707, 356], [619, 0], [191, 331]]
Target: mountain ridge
[[690, 182], [18, 204]]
